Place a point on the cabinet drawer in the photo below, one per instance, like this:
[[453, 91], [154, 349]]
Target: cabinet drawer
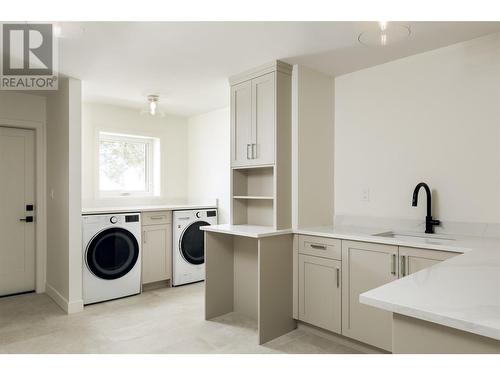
[[320, 246], [156, 217]]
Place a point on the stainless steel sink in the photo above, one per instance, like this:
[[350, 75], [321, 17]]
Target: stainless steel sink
[[417, 237]]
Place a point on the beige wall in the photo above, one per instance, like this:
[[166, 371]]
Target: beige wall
[[312, 151], [64, 260], [432, 117], [172, 131], [58, 191], [21, 106], [75, 193], [209, 159]]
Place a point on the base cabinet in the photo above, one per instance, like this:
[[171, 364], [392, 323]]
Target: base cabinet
[[156, 253], [367, 266], [320, 295], [330, 274], [412, 259]]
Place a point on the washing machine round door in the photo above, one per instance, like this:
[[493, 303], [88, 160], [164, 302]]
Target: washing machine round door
[[192, 243], [112, 253]]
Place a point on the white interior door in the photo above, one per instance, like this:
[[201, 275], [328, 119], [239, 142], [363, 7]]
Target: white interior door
[[17, 190]]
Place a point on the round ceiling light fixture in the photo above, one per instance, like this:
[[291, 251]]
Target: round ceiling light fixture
[[152, 106], [384, 34]]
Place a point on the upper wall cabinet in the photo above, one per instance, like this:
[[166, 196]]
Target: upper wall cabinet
[[255, 113]]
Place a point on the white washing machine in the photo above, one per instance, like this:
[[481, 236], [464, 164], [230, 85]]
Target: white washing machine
[[111, 256], [188, 258]]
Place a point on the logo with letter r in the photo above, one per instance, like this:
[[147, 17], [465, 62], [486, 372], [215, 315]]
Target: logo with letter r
[[27, 49]]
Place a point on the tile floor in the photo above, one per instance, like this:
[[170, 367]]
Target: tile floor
[[168, 320]]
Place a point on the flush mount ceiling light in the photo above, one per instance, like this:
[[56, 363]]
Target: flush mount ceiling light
[[152, 108], [385, 33]]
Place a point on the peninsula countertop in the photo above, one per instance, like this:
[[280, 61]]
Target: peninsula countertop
[[462, 292], [253, 231]]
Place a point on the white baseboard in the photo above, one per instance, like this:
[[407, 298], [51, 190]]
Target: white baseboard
[[75, 306], [63, 303]]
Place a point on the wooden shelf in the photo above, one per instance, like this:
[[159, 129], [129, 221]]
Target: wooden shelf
[[252, 197]]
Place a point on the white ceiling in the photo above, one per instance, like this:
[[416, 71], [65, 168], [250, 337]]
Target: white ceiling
[[188, 63]]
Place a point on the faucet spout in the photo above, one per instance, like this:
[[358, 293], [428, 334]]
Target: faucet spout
[[429, 222], [427, 192]]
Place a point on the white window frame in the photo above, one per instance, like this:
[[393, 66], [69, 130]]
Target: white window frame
[[152, 164]]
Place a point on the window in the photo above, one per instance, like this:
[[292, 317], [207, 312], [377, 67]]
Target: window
[[128, 165]]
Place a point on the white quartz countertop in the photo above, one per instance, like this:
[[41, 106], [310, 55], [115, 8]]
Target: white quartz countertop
[[144, 208], [462, 292], [254, 231], [458, 244]]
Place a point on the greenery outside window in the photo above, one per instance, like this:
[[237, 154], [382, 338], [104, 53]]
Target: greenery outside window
[[128, 165]]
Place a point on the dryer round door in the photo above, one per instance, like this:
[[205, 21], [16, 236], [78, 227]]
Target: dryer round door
[[192, 243], [112, 253]]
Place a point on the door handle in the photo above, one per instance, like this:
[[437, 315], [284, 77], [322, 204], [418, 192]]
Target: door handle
[[338, 277], [393, 264], [403, 265], [28, 219]]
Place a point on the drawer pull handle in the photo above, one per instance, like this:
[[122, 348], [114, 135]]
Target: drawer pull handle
[[157, 217], [319, 247]]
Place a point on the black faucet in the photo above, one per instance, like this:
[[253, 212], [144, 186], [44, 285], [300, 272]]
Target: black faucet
[[429, 222]]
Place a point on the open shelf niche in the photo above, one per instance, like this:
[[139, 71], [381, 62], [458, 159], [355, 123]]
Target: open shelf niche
[[253, 196]]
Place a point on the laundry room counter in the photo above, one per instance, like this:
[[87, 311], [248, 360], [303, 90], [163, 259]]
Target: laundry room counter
[[144, 208]]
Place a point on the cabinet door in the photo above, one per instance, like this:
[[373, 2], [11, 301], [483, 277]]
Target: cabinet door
[[320, 292], [156, 253], [241, 124], [412, 259], [264, 119], [367, 266]]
